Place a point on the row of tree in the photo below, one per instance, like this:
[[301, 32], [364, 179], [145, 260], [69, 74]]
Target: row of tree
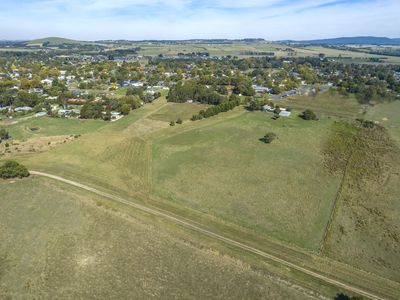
[[216, 109]]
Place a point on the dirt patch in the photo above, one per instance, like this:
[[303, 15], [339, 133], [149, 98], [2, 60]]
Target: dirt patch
[[32, 145], [145, 126]]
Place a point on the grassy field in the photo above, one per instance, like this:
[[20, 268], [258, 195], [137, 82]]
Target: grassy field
[[327, 104], [239, 49], [213, 49], [365, 230], [387, 114], [224, 170], [173, 111], [276, 197], [45, 126], [58, 242], [329, 52]]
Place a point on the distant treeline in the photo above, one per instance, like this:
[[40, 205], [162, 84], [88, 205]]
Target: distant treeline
[[194, 54], [122, 52], [256, 53]]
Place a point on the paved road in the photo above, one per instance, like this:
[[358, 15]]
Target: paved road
[[213, 235]]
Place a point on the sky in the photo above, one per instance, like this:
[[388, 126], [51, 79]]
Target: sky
[[192, 19]]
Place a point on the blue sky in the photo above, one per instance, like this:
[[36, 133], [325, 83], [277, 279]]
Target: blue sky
[[185, 19]]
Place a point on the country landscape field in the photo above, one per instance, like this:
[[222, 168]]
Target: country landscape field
[[200, 150]]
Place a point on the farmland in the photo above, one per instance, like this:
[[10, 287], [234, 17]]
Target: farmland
[[280, 181], [57, 241], [328, 104], [365, 230], [171, 168], [243, 168]]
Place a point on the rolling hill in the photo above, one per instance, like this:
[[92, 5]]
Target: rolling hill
[[360, 40], [54, 41]]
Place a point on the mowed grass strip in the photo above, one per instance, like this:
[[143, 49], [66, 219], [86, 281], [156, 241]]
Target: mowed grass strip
[[174, 111], [224, 170], [60, 242], [46, 126], [327, 104]]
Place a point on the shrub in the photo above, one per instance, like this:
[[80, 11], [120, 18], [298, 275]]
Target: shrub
[[4, 135], [172, 123], [179, 121], [308, 114], [125, 109], [268, 138], [12, 169]]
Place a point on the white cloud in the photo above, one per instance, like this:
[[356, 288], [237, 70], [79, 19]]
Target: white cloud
[[181, 19]]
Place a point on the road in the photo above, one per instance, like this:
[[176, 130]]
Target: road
[[187, 224]]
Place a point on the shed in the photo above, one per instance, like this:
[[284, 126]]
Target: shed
[[285, 113]]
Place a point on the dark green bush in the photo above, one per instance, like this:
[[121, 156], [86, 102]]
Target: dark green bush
[[268, 138], [308, 114], [12, 169]]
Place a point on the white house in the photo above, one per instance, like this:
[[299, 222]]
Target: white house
[[285, 113], [40, 114], [47, 81], [268, 108], [23, 108]]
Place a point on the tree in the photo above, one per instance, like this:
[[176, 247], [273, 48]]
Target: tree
[[308, 114], [91, 111], [133, 101], [4, 135], [12, 169], [268, 138], [125, 109], [107, 116], [135, 91], [342, 296]]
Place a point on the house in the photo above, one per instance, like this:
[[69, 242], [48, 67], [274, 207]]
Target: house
[[23, 109], [116, 115], [47, 81], [5, 108], [64, 112], [35, 91], [40, 114], [268, 108], [261, 89], [285, 113], [136, 83]]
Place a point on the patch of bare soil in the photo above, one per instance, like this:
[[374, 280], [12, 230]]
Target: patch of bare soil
[[38, 144]]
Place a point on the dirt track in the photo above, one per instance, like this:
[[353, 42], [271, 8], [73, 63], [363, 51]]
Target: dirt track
[[213, 235]]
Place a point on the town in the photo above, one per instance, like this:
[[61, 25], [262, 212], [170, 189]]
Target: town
[[105, 87]]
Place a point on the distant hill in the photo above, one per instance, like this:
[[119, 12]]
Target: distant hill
[[360, 40], [54, 41]]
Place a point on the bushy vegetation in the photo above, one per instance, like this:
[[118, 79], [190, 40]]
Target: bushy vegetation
[[4, 135], [92, 111], [12, 169], [216, 109], [369, 162], [193, 90], [308, 115], [268, 138]]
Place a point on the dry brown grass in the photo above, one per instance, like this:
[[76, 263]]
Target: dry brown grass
[[365, 231]]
